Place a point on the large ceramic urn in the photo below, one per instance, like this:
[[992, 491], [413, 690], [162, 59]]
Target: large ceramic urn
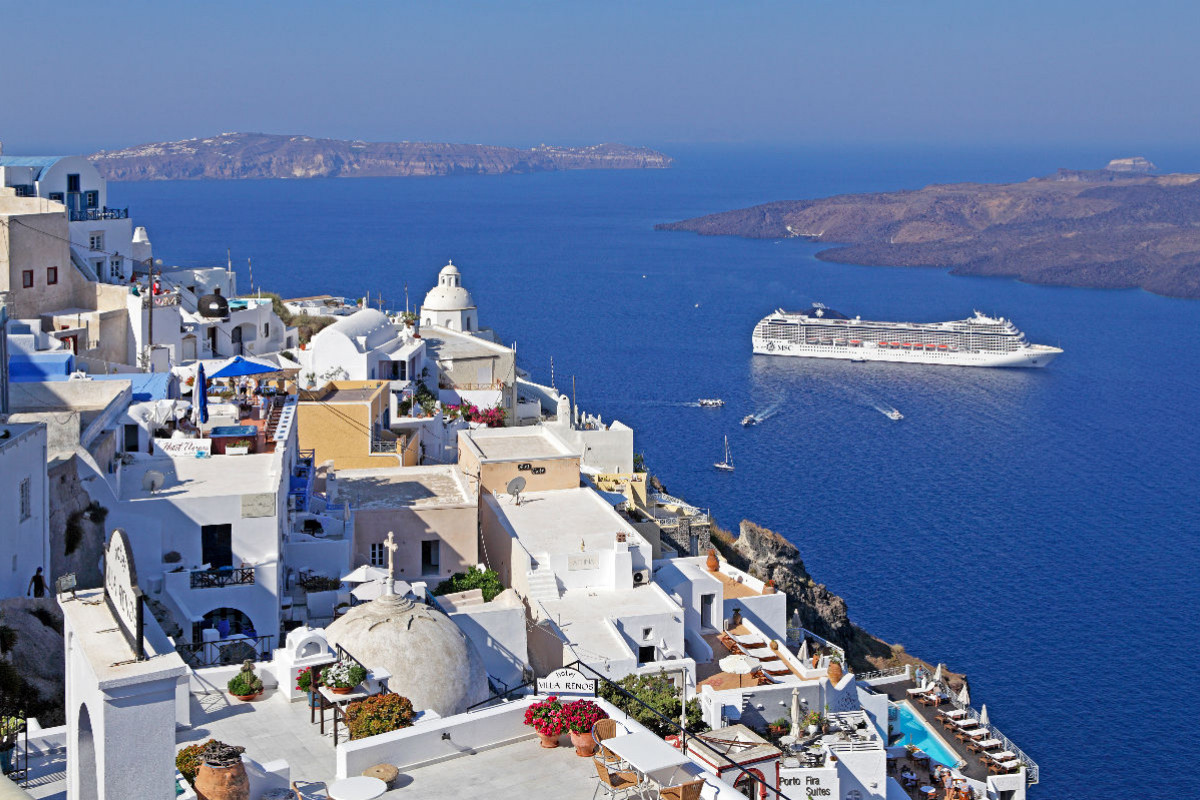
[[222, 775], [712, 563], [835, 672]]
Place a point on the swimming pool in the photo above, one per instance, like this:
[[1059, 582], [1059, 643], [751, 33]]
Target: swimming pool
[[915, 732]]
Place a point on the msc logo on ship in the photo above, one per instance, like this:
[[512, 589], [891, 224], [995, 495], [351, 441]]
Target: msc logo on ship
[[770, 347]]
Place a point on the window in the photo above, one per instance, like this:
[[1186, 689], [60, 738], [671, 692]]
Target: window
[[73, 183], [56, 197], [91, 199], [646, 654], [51, 275], [378, 555], [96, 240], [216, 545], [131, 438], [26, 279], [266, 330], [647, 633], [26, 501], [431, 557]]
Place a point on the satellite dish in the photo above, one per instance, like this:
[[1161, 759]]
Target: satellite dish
[[153, 480], [515, 486]]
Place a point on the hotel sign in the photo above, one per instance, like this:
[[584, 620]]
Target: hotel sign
[[121, 590], [184, 448], [584, 561], [567, 681]]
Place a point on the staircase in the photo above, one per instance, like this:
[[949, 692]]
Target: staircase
[[273, 421], [542, 583]]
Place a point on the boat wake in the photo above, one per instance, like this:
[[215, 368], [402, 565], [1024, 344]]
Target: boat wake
[[891, 412], [762, 416]]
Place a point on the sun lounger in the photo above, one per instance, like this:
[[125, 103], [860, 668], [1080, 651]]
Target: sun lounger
[[747, 640], [953, 713], [777, 672], [1002, 756], [988, 744], [1007, 766], [917, 691]]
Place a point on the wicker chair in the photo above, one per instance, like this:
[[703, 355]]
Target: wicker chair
[[607, 729], [615, 784], [684, 791]]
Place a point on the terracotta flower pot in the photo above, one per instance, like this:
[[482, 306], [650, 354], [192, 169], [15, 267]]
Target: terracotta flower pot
[[341, 689], [712, 563], [585, 745], [548, 741], [246, 698], [222, 783], [835, 671]]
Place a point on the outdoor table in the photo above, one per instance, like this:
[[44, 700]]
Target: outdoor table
[[647, 754], [928, 791], [334, 700], [358, 788]]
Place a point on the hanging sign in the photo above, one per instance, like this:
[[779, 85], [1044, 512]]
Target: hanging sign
[[121, 590], [567, 681]]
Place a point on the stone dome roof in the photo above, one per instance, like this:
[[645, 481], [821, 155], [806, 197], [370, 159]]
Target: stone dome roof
[[449, 294], [431, 660]]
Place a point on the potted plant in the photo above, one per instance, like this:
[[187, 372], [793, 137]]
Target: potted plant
[[578, 717], [779, 727], [835, 671], [222, 774], [343, 676], [238, 447], [546, 718], [379, 714], [245, 686], [10, 727], [305, 682], [812, 722]]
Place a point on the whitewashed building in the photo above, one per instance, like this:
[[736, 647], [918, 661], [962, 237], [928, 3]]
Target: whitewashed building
[[448, 305], [24, 510], [363, 346]]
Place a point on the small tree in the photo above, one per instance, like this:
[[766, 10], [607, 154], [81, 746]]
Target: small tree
[[657, 694], [485, 580]]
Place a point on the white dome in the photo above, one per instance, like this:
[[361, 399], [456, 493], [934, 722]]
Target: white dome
[[448, 295], [368, 328], [431, 660]]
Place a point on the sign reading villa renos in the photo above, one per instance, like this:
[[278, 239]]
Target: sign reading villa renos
[[121, 590], [567, 681], [583, 561]]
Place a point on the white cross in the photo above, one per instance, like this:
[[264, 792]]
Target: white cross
[[390, 544]]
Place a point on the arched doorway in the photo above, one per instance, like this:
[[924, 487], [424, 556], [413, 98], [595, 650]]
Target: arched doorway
[[85, 758], [225, 645], [751, 784], [236, 337]]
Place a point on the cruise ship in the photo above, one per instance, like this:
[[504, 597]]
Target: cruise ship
[[820, 332]]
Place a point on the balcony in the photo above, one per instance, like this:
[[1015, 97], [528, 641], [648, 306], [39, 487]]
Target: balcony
[[222, 577], [97, 214]]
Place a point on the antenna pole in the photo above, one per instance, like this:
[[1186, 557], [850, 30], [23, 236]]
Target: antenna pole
[[250, 266], [406, 297], [552, 372], [574, 405]]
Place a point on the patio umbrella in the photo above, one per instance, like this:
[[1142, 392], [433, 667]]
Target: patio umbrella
[[739, 665], [364, 574], [200, 395], [803, 654], [937, 673], [795, 731], [238, 367], [983, 717], [964, 696]]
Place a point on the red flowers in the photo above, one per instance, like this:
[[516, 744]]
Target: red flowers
[[551, 716], [492, 417]]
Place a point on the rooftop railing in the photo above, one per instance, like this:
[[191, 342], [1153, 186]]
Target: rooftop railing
[[224, 652], [220, 578], [97, 214], [1031, 767]]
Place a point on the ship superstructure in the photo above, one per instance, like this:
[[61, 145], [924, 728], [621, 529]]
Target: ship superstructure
[[820, 332]]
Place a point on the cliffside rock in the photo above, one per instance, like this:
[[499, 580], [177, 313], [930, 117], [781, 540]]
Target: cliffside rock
[[38, 656], [1134, 164], [70, 514], [260, 155]]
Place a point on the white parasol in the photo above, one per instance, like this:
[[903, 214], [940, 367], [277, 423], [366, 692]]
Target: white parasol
[[937, 673], [795, 731], [364, 574], [964, 696], [803, 654], [739, 665], [983, 717]]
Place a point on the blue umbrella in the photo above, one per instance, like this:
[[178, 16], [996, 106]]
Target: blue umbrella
[[200, 394], [239, 367]]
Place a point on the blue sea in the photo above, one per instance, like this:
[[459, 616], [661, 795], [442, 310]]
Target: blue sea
[[1035, 529]]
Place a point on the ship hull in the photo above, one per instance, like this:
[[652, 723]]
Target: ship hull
[[1035, 356]]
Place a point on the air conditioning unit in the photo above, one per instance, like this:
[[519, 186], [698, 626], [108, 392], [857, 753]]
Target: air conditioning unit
[[641, 577]]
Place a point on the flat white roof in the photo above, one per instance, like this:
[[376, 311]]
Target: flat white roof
[[408, 487], [582, 615], [555, 521], [512, 444], [216, 476]]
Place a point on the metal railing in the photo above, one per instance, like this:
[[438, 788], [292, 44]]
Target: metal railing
[[1031, 767], [225, 652], [97, 214], [892, 672], [220, 578], [384, 445]]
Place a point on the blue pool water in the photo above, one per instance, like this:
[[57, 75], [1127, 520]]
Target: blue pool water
[[1030, 528], [916, 733]]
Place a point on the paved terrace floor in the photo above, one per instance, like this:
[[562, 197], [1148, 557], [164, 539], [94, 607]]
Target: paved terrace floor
[[898, 693]]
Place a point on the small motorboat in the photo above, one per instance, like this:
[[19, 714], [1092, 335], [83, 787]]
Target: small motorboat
[[895, 414], [749, 420], [710, 402], [727, 464]]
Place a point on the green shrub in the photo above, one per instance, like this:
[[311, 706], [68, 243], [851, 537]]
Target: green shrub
[[487, 580], [189, 759], [245, 682], [379, 714], [661, 695]]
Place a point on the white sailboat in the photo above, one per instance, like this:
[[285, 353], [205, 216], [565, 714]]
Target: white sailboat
[[727, 464]]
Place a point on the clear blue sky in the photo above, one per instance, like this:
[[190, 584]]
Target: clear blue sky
[[80, 76]]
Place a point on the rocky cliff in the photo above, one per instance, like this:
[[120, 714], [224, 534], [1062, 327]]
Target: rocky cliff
[[1114, 228], [260, 155], [768, 556]]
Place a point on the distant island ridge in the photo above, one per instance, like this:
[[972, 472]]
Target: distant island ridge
[[232, 156], [1117, 228]]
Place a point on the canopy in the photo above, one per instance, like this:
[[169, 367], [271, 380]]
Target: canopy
[[238, 366], [373, 589], [364, 573]]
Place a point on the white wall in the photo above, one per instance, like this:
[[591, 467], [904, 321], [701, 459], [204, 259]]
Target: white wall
[[24, 544], [499, 635]]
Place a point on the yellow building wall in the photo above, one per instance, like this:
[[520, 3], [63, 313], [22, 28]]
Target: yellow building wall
[[341, 432]]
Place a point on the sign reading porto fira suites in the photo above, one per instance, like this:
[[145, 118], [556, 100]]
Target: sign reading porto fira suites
[[122, 592], [567, 681]]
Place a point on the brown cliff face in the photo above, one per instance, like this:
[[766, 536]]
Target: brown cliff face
[[767, 555], [1090, 228], [257, 155]]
